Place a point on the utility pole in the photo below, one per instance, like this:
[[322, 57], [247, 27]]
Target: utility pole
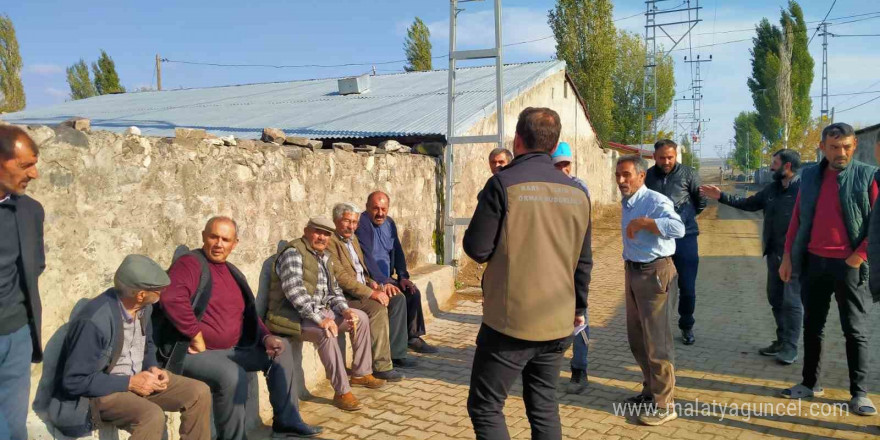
[[824, 106], [652, 56], [158, 72]]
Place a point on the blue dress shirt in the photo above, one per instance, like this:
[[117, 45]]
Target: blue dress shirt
[[646, 246]]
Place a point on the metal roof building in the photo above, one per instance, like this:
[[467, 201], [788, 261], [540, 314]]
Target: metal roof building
[[396, 105]]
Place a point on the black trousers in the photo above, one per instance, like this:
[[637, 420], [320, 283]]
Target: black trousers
[[415, 318], [498, 361], [822, 278]]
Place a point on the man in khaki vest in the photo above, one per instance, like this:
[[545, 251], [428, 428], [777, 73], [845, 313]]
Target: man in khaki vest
[[305, 301], [384, 303], [532, 226]]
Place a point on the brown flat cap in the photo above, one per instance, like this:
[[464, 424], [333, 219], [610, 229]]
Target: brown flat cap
[[322, 223]]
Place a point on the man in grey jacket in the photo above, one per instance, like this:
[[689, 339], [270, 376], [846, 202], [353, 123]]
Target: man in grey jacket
[[109, 357]]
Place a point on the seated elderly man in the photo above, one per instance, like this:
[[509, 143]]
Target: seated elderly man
[[211, 307], [305, 301], [384, 304], [108, 357], [383, 255]]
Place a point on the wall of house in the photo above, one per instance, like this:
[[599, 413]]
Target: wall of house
[[107, 195], [593, 164], [867, 140]]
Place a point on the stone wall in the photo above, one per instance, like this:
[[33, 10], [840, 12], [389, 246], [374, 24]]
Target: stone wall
[[593, 164], [107, 195]]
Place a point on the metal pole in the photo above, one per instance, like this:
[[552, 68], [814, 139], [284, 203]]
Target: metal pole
[[449, 163], [499, 75]]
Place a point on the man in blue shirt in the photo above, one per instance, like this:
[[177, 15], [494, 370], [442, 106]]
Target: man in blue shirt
[[650, 226], [384, 257]]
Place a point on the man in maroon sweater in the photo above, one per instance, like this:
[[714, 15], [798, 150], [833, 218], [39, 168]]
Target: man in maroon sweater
[[827, 243], [230, 339]]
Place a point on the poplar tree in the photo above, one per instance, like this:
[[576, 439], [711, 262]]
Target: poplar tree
[[418, 47], [11, 89]]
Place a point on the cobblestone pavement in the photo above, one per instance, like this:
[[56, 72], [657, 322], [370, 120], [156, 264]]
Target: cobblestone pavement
[[733, 321]]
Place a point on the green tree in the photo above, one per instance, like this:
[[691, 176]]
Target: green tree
[[11, 89], [747, 154], [766, 50], [106, 78], [628, 79], [585, 40], [418, 47], [80, 81]]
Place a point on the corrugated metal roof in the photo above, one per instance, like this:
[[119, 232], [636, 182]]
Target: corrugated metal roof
[[396, 105]]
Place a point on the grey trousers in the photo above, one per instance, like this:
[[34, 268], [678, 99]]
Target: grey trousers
[[785, 302], [648, 326], [331, 354], [388, 329], [225, 371]]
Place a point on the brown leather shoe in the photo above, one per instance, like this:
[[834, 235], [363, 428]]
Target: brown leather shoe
[[368, 381], [346, 402]]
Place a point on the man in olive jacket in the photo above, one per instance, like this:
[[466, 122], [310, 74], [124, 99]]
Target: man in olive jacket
[[383, 303], [532, 226]]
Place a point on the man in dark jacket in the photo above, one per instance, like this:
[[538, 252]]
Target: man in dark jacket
[[681, 184], [827, 243], [109, 356], [532, 226], [229, 339], [22, 260], [384, 257], [777, 202]]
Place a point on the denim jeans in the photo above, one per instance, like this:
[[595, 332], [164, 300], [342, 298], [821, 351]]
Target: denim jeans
[[15, 383], [687, 261], [498, 361], [785, 302], [580, 350], [823, 278]]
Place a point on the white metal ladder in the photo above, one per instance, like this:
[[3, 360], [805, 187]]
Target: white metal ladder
[[452, 139]]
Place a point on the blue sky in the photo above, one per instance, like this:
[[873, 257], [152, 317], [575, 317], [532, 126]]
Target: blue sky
[[55, 34]]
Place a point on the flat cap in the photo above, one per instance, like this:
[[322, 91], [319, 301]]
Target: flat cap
[[141, 272], [322, 223]]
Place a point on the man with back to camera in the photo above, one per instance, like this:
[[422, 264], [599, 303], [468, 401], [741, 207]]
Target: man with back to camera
[[681, 184], [827, 244], [22, 260], [777, 201], [532, 226]]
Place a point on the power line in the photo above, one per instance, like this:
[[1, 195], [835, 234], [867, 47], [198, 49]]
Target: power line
[[823, 21], [870, 92], [853, 35], [859, 105]]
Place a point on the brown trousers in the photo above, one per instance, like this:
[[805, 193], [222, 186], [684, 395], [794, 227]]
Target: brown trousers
[[144, 417], [648, 325], [387, 329]]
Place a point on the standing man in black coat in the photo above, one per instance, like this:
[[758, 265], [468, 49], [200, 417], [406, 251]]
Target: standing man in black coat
[[777, 201], [22, 260], [681, 184]]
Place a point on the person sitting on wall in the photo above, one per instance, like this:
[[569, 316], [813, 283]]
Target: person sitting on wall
[[212, 307], [384, 304], [305, 301], [108, 362], [383, 255]]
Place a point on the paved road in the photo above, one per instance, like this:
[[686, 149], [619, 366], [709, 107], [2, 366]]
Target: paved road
[[733, 321]]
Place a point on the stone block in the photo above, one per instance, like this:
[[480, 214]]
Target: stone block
[[391, 145], [371, 149], [68, 135], [229, 141], [190, 133], [273, 135], [343, 146], [300, 141], [437, 284], [132, 131], [81, 124]]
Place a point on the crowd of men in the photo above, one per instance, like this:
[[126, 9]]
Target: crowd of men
[[184, 340]]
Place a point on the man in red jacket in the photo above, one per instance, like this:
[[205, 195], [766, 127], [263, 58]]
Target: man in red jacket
[[230, 339]]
